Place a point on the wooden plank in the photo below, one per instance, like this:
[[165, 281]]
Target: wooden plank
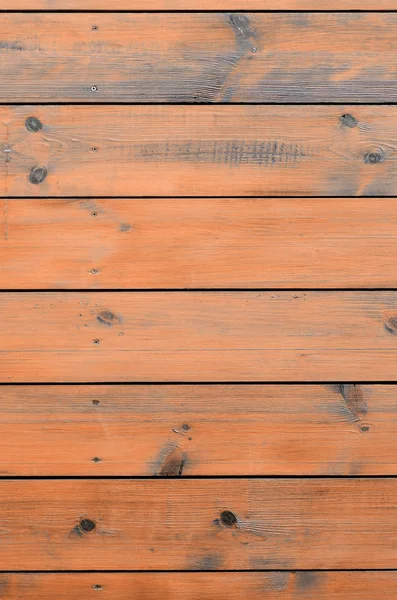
[[198, 336], [198, 524], [198, 57], [301, 585], [189, 430], [198, 5], [198, 243], [198, 150]]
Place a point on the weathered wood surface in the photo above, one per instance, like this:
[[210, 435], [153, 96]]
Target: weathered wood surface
[[176, 430], [186, 5], [198, 57], [198, 524], [198, 336], [301, 585], [198, 243], [198, 150]]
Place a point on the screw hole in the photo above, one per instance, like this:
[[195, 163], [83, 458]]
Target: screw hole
[[97, 342], [185, 427], [254, 49], [94, 271], [228, 519], [94, 214], [95, 28], [94, 88], [94, 149], [96, 459], [95, 402], [87, 525], [96, 586]]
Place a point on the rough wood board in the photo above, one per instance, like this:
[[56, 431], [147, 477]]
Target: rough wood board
[[198, 243], [303, 585], [175, 430], [198, 151], [198, 336], [163, 524], [198, 57]]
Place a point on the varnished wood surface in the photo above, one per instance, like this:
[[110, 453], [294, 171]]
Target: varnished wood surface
[[176, 524], [198, 243], [198, 151], [174, 430], [198, 336], [198, 57], [186, 5], [303, 585]]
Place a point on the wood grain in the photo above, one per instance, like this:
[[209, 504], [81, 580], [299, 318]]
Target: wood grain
[[198, 336], [198, 5], [303, 585], [198, 243], [163, 524], [198, 151], [175, 430], [198, 57]]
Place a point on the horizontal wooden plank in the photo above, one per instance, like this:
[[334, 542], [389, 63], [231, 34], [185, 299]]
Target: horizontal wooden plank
[[198, 5], [303, 585], [202, 524], [178, 430], [198, 243], [198, 150], [198, 336], [198, 57]]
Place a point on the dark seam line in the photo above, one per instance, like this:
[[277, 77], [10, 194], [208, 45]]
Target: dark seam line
[[195, 11], [105, 102], [189, 571], [189, 290], [197, 383], [153, 478], [228, 197]]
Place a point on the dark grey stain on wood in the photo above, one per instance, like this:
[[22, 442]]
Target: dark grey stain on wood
[[230, 152], [37, 175], [354, 399]]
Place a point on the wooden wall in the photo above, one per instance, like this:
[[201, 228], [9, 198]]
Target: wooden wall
[[198, 299]]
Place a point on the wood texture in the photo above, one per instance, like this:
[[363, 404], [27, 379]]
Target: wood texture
[[198, 5], [190, 430], [198, 57], [198, 151], [303, 585], [198, 243], [198, 336], [164, 524]]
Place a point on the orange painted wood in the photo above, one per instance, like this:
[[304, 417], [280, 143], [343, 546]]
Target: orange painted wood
[[163, 524], [198, 243], [198, 57], [301, 585], [198, 151], [198, 336], [191, 430], [198, 5]]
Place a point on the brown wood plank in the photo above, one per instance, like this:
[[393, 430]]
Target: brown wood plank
[[198, 150], [164, 524], [198, 57], [198, 243], [198, 336], [303, 585], [190, 430], [198, 5]]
